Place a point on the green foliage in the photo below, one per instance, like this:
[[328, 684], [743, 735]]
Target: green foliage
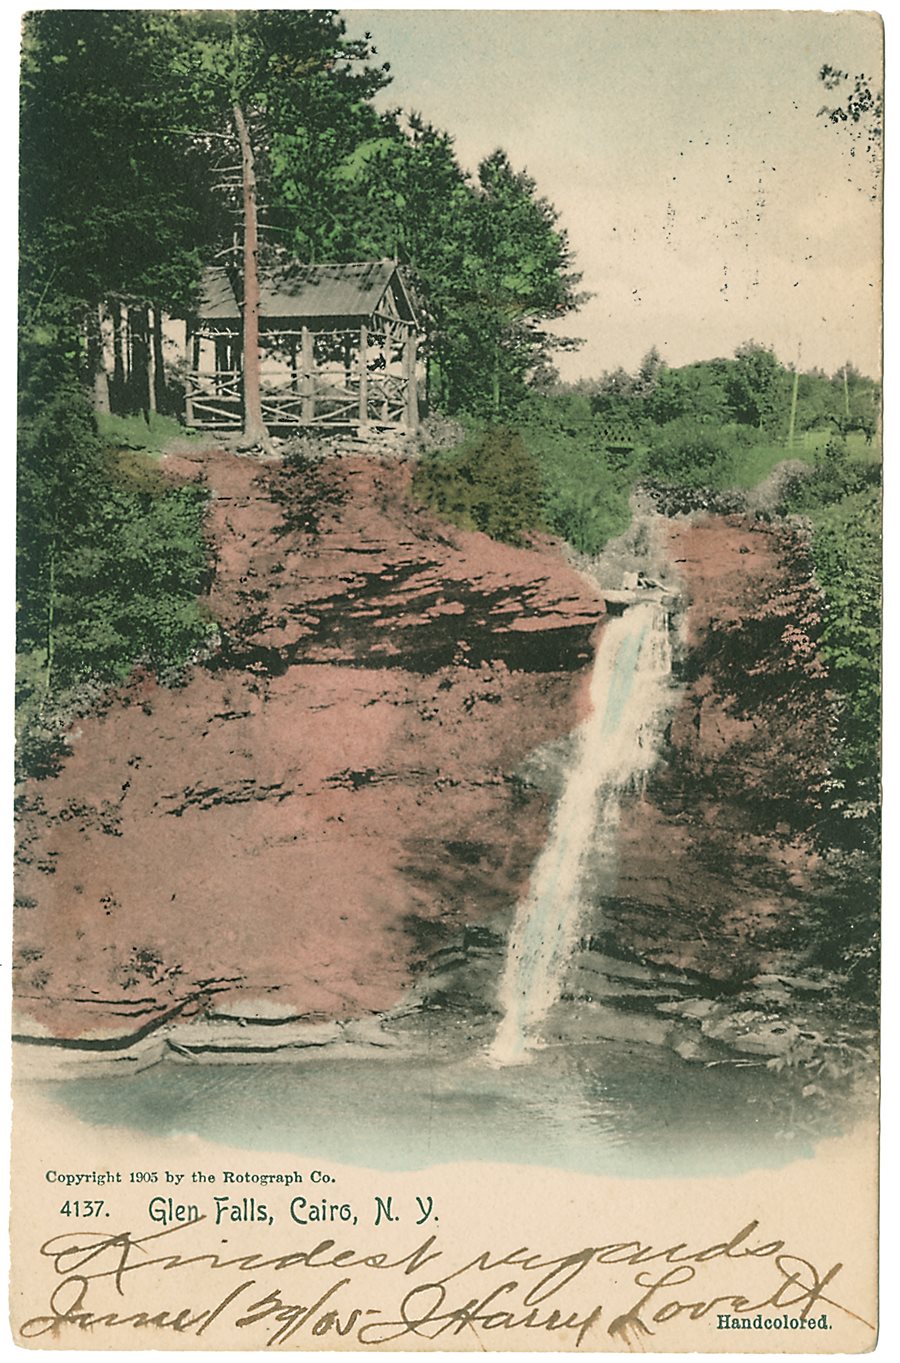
[[697, 392], [703, 451], [518, 271], [151, 433], [846, 550], [491, 263], [491, 483], [757, 386], [553, 468], [110, 564], [127, 585], [757, 460], [841, 499], [585, 486], [753, 390], [586, 501], [835, 475], [128, 182], [112, 199], [689, 453], [844, 912], [305, 92]]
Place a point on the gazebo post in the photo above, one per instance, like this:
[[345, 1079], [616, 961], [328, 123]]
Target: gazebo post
[[308, 382], [409, 365], [189, 375], [363, 374]]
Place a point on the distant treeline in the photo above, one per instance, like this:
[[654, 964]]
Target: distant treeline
[[753, 389], [567, 458]]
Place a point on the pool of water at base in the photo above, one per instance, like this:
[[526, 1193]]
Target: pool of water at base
[[618, 1109]]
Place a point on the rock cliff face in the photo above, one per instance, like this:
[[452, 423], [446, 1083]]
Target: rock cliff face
[[333, 796], [719, 844], [708, 942], [334, 817]]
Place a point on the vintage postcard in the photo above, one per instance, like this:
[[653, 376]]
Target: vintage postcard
[[448, 686]]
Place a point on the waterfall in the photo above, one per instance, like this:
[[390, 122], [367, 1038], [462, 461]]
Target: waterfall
[[616, 747]]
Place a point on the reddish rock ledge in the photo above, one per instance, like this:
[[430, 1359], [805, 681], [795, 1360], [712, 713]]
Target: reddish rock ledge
[[328, 797]]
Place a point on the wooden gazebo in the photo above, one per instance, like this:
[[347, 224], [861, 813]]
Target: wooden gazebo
[[337, 349]]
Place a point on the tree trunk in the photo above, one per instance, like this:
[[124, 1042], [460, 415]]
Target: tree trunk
[[140, 378], [159, 368], [149, 328], [96, 360], [255, 432], [189, 371], [132, 359], [118, 394]]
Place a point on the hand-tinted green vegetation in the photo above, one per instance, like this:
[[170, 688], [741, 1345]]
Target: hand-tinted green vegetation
[[703, 428], [842, 500], [111, 557], [490, 483]]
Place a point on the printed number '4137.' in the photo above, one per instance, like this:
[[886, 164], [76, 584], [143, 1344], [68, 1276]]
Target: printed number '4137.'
[[85, 1207]]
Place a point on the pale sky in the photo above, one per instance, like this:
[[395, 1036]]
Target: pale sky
[[705, 202]]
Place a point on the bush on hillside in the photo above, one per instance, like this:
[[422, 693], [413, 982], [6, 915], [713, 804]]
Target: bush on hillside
[[585, 486], [689, 453], [491, 483], [834, 475], [846, 550], [111, 557]]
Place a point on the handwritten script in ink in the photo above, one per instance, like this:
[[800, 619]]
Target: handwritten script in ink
[[603, 1295]]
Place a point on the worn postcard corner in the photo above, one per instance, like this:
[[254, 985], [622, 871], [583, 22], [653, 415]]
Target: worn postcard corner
[[448, 681]]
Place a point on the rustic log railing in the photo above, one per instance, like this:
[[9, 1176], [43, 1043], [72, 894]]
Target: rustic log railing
[[215, 401], [365, 377]]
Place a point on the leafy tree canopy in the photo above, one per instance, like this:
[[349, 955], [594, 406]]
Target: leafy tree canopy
[[111, 197]]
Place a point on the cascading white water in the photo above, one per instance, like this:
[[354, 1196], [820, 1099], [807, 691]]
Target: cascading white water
[[617, 746]]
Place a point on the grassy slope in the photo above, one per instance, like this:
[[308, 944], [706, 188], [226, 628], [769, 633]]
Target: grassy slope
[[138, 433]]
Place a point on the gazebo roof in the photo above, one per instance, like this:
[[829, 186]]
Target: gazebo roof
[[297, 291]]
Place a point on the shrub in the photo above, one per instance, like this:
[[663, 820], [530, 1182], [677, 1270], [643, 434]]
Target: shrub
[[586, 500], [835, 475], [127, 587], [491, 483], [112, 558], [846, 550], [688, 453]]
